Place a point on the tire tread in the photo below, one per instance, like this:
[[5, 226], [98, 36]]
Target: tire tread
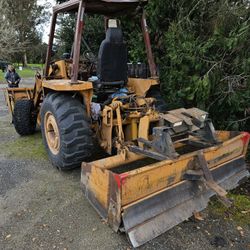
[[75, 131], [24, 118]]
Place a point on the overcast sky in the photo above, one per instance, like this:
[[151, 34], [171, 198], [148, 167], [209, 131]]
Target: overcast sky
[[46, 27]]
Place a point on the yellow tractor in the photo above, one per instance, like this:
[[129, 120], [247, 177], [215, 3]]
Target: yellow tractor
[[164, 165]]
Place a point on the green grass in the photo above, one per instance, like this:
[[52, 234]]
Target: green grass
[[27, 72], [38, 65], [239, 212], [26, 147]]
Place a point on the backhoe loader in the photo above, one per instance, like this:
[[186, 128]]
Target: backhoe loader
[[163, 165]]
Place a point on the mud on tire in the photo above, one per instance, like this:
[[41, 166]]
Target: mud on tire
[[24, 117], [74, 132]]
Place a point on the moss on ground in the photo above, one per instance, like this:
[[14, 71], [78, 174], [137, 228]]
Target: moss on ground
[[28, 147], [239, 212]]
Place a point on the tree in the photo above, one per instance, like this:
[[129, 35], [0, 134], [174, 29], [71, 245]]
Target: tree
[[25, 16], [202, 49], [7, 38], [93, 33]]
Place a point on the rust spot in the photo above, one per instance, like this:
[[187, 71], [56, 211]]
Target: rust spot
[[170, 179], [192, 164], [86, 168]]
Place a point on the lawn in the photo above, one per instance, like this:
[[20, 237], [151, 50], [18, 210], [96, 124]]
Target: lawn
[[27, 72]]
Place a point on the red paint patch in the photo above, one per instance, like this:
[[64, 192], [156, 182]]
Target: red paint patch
[[245, 138], [120, 179], [123, 177]]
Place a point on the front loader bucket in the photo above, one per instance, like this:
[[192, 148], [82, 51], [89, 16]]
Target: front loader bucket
[[145, 197], [14, 94]]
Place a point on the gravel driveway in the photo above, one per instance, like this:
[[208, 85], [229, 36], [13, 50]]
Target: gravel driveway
[[43, 208]]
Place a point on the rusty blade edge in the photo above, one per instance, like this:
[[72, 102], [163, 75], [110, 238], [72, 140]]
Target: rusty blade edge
[[156, 224]]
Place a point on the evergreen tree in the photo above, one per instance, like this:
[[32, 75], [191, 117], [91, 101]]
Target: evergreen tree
[[203, 53], [24, 16]]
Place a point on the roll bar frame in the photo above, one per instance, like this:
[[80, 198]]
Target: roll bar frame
[[82, 7]]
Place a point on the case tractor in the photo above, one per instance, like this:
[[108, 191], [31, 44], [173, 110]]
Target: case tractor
[[162, 165]]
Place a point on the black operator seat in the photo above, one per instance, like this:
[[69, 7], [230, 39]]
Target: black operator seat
[[112, 59]]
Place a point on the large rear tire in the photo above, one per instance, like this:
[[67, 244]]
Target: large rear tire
[[66, 130], [24, 117]]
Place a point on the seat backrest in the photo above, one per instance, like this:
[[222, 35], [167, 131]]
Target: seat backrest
[[112, 57]]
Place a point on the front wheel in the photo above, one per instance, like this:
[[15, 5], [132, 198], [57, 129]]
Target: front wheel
[[66, 130], [24, 117]]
